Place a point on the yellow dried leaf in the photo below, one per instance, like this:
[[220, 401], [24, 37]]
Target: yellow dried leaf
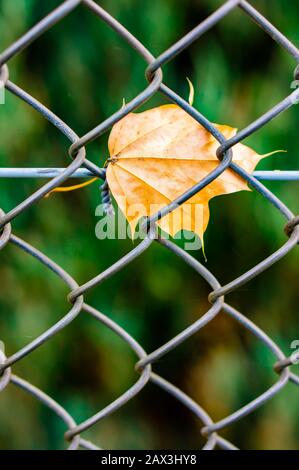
[[159, 154]]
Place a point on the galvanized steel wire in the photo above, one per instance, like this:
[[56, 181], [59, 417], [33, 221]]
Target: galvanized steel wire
[[79, 163]]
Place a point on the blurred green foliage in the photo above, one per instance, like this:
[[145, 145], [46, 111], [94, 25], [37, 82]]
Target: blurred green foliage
[[82, 70]]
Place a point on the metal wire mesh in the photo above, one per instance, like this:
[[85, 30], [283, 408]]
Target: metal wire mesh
[[210, 429]]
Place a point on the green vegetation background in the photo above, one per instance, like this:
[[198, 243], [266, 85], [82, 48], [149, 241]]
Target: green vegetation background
[[82, 70]]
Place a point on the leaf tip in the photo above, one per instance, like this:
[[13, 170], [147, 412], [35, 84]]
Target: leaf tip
[[273, 153], [203, 250], [191, 92]]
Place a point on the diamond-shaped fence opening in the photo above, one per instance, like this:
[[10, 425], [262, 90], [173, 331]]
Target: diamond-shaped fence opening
[[79, 165]]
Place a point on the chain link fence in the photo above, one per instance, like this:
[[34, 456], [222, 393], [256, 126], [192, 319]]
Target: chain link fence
[[144, 366]]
